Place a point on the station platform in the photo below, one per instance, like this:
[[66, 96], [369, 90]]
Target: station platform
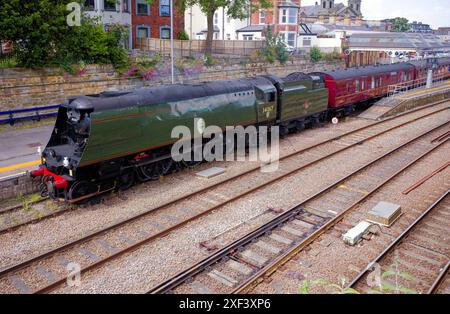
[[18, 151], [406, 100]]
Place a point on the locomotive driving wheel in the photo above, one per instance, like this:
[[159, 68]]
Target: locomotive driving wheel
[[80, 189], [194, 160], [154, 170], [126, 179]]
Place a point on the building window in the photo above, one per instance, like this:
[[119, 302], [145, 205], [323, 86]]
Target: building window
[[228, 36], [89, 5], [262, 17], [216, 18], [324, 4], [288, 16], [164, 7], [142, 8], [289, 38], [109, 5], [306, 41], [126, 6], [142, 31], [228, 19], [126, 40], [164, 32], [247, 37]]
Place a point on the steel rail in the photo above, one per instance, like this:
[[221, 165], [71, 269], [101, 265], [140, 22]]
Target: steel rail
[[200, 191], [25, 263], [437, 283], [30, 221], [273, 267], [189, 273], [177, 226], [397, 240]]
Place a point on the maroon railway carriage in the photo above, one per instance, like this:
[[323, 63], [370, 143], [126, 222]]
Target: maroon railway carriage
[[443, 67], [355, 85], [422, 67]]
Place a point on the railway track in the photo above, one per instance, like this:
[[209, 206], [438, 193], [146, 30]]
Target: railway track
[[421, 251], [104, 245], [31, 212], [240, 266]]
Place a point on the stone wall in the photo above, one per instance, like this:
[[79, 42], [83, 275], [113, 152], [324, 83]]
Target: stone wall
[[17, 185], [23, 88]]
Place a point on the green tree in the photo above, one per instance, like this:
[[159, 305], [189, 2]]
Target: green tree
[[400, 24], [41, 35], [236, 9]]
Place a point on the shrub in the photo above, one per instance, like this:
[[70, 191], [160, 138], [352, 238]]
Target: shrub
[[182, 35], [274, 48], [8, 62], [315, 54], [330, 56]]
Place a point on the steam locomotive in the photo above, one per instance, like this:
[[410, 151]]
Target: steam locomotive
[[110, 140]]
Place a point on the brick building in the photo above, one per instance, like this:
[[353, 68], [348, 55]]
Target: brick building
[[153, 21], [282, 17]]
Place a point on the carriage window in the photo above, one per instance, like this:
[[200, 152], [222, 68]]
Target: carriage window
[[373, 82], [381, 82], [362, 85], [356, 85]]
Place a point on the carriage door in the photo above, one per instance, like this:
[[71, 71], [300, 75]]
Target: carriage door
[[266, 104]]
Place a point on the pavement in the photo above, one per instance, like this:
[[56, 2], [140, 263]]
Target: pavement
[[18, 149]]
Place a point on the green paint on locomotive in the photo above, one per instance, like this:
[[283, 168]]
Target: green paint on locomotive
[[302, 99], [125, 131], [121, 132]]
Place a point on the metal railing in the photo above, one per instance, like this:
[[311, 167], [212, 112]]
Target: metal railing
[[406, 86], [35, 113]]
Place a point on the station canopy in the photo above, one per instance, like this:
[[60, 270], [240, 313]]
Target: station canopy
[[385, 40]]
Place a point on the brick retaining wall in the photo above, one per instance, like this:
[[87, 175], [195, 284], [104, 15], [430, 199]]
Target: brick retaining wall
[[23, 88]]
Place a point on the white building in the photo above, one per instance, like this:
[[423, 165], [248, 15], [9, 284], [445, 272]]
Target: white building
[[225, 27], [111, 12]]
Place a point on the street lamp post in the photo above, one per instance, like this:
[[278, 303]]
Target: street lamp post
[[171, 42]]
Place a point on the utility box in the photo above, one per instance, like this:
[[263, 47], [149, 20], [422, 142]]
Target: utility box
[[211, 172], [353, 235], [384, 213]]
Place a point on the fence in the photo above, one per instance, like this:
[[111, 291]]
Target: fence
[[406, 86], [24, 114], [185, 48]]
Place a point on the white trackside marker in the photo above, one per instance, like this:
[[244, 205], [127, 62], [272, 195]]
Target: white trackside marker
[[335, 120]]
